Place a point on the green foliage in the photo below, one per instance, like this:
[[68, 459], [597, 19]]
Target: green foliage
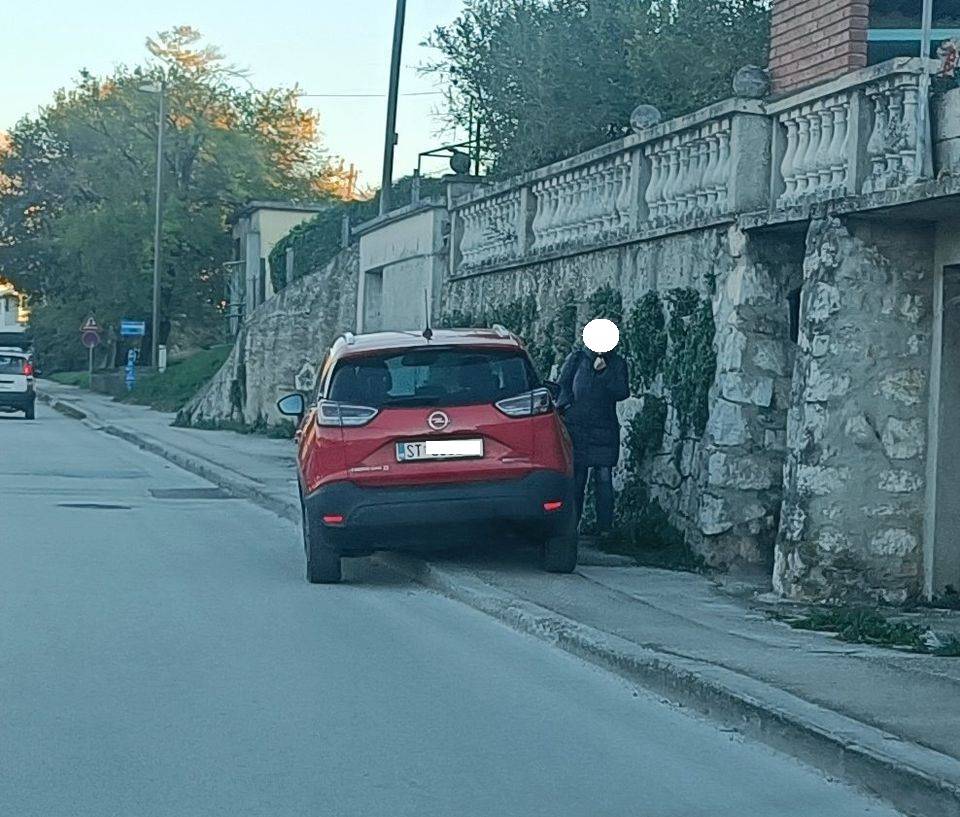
[[868, 625], [646, 430], [644, 532], [77, 192], [606, 302], [645, 341], [317, 241], [548, 78], [692, 363], [70, 378], [171, 390]]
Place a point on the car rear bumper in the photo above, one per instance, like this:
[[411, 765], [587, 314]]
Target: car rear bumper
[[18, 400], [424, 516]]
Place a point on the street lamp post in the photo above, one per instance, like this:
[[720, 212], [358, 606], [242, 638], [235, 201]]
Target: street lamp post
[[390, 138], [157, 88]]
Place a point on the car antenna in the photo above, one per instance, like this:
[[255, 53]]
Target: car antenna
[[427, 332]]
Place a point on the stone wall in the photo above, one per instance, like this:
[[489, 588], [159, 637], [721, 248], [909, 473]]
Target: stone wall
[[719, 484], [852, 519], [280, 346]]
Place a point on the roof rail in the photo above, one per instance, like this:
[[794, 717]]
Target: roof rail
[[349, 338], [502, 331]]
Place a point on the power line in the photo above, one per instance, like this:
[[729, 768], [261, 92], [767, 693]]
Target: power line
[[368, 96]]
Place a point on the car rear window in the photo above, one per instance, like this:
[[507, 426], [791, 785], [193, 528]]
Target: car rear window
[[432, 377], [11, 364]]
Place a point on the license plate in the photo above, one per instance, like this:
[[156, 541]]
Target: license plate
[[439, 450]]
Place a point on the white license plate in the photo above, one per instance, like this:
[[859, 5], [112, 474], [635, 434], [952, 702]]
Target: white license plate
[[439, 450]]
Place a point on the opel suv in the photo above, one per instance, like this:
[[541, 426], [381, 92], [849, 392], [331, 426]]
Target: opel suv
[[416, 440]]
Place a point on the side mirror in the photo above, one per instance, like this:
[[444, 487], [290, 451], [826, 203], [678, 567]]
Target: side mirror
[[293, 405], [553, 388]]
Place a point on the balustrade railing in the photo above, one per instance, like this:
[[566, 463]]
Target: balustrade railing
[[857, 134], [689, 175], [490, 230]]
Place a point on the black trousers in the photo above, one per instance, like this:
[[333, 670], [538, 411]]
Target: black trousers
[[602, 493]]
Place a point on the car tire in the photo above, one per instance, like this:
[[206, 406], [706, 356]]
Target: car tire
[[29, 413], [560, 554], [323, 564]]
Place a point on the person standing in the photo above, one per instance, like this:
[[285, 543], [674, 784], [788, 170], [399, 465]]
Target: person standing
[[591, 385]]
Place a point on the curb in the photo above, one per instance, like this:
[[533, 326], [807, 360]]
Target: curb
[[917, 780]]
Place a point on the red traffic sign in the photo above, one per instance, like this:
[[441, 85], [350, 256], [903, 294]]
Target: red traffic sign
[[90, 333]]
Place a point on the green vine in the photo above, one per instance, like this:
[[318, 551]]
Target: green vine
[[645, 341], [692, 363]]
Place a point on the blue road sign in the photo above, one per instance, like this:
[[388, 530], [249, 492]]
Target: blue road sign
[[133, 329], [131, 369]]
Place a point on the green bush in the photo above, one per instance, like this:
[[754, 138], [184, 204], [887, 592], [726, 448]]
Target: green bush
[[171, 390]]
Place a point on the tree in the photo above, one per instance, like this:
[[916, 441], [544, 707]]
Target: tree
[[548, 78], [77, 188]]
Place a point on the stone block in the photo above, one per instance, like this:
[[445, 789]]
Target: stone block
[[664, 472], [832, 540], [900, 481], [741, 472], [770, 356], [727, 425], [816, 480], [893, 542], [775, 440], [905, 387], [743, 388], [731, 346], [903, 439], [714, 518], [824, 301], [859, 429], [821, 384]]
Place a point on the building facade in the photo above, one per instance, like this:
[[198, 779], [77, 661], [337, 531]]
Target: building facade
[[257, 228]]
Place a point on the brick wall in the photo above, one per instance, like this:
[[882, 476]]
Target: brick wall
[[815, 40]]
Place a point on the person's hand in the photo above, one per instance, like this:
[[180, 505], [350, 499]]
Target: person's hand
[[599, 364]]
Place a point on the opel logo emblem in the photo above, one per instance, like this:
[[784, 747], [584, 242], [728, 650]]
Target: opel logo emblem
[[438, 421]]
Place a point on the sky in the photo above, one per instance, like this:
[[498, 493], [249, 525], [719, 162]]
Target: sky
[[324, 46]]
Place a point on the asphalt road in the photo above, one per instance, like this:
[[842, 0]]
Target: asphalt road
[[161, 654]]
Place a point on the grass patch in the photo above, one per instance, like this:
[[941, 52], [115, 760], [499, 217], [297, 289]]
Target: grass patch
[[284, 430], [648, 536], [868, 625], [172, 390], [70, 378]]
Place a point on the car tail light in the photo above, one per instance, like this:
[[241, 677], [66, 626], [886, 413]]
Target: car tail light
[[554, 505], [332, 413], [28, 369], [333, 519], [529, 404]]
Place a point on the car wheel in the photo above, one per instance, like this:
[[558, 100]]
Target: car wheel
[[323, 564], [560, 554], [29, 412]]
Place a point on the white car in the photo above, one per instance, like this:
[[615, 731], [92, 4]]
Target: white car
[[16, 382]]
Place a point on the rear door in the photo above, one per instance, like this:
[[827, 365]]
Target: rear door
[[12, 377], [438, 420]]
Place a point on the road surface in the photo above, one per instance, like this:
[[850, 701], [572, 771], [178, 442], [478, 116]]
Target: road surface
[[161, 654]]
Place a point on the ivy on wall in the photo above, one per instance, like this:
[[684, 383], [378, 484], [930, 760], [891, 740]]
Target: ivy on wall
[[667, 341]]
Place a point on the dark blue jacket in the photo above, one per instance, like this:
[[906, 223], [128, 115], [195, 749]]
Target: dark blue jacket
[[588, 400]]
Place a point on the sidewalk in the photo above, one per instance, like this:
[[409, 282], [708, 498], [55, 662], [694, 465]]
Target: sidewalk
[[886, 720]]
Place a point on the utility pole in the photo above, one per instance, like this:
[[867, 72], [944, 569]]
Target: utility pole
[[159, 89], [390, 138]]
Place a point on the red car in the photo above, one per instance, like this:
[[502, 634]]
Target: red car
[[417, 440]]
